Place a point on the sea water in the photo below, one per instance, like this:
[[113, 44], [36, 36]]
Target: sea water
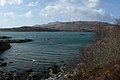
[[46, 49]]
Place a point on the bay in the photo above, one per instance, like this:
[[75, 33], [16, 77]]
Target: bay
[[47, 47]]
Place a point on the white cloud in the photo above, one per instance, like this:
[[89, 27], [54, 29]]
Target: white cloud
[[88, 10], [92, 3], [9, 14], [32, 4], [13, 15], [28, 14], [2, 2], [10, 2]]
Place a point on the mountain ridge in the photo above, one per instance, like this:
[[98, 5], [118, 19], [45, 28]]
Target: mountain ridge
[[74, 26]]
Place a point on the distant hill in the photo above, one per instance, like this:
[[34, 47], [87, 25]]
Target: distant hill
[[62, 26], [28, 29]]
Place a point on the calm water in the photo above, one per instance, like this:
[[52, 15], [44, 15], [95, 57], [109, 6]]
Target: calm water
[[46, 48]]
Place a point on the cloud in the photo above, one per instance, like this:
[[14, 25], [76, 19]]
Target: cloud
[[13, 15], [74, 10], [9, 14], [28, 14], [10, 2], [32, 4], [92, 3]]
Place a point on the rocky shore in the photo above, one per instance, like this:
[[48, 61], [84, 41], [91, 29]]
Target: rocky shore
[[54, 72], [5, 40]]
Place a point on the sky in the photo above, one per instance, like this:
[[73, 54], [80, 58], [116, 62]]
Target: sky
[[16, 13]]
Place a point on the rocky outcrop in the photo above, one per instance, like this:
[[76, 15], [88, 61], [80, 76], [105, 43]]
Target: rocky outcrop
[[16, 40], [4, 46], [5, 40], [4, 37]]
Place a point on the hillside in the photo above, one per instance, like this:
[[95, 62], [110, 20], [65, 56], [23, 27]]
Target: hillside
[[62, 26], [28, 29]]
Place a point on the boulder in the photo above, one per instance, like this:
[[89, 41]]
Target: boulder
[[4, 46]]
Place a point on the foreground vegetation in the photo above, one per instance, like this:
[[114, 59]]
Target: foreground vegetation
[[101, 61]]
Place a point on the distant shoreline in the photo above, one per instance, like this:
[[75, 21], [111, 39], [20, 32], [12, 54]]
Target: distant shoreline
[[76, 26]]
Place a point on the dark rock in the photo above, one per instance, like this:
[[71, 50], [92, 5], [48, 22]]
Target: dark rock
[[1, 59], [8, 78], [82, 34], [44, 72], [32, 75], [4, 37], [1, 72], [13, 71], [17, 41], [62, 61], [55, 68], [10, 62], [3, 64], [4, 46], [29, 70]]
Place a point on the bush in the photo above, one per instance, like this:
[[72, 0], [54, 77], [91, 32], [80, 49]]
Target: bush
[[105, 51]]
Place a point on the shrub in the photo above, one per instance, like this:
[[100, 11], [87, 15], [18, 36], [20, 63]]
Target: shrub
[[105, 51]]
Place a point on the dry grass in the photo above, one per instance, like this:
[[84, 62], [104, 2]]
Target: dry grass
[[104, 52]]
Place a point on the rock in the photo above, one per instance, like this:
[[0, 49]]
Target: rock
[[10, 62], [32, 75], [1, 59], [16, 41], [8, 78], [62, 61], [45, 74], [1, 72], [55, 68], [62, 69], [4, 46], [29, 70], [14, 74], [3, 64], [4, 37]]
